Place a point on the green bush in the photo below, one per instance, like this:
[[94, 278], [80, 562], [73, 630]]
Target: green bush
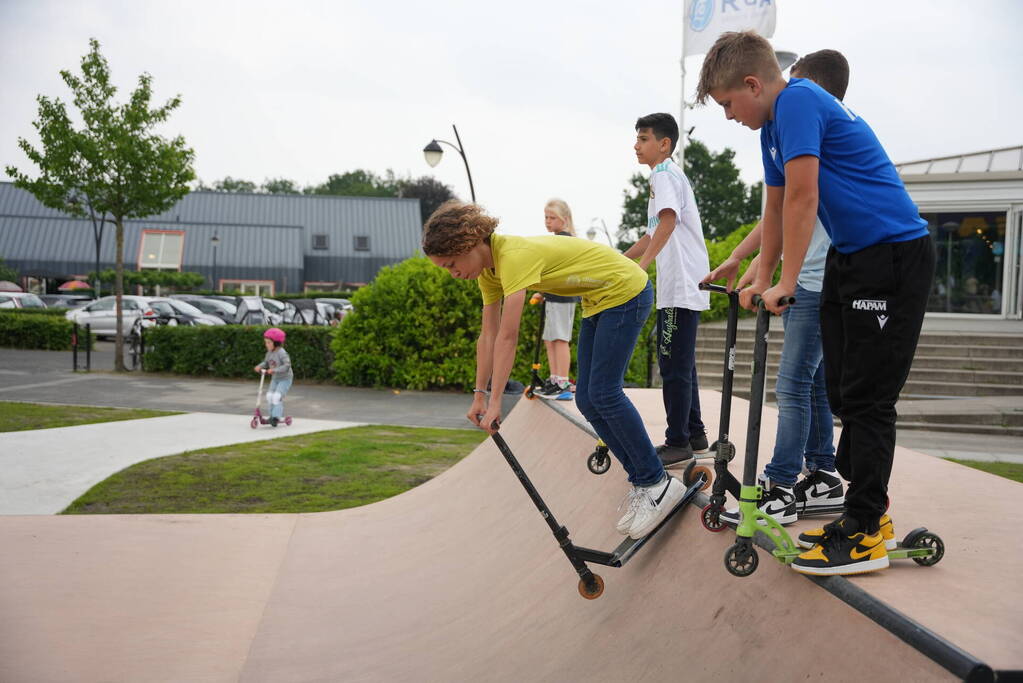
[[54, 312], [47, 332], [416, 327], [718, 251], [233, 350]]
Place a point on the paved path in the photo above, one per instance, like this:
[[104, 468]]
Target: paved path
[[45, 470]]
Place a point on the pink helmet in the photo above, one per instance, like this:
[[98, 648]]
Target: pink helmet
[[275, 334]]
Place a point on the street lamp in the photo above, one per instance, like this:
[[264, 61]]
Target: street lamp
[[215, 241], [433, 153]]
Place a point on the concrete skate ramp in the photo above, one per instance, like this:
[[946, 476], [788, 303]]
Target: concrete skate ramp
[[461, 580]]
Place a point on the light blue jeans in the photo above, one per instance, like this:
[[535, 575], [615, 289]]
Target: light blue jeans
[[606, 343], [805, 424], [275, 396]]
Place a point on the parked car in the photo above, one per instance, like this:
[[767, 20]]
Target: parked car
[[342, 307], [308, 312], [253, 311], [20, 300], [224, 310], [102, 316], [65, 300], [186, 313]]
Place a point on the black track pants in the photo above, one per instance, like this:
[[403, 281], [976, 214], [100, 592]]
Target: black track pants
[[872, 307]]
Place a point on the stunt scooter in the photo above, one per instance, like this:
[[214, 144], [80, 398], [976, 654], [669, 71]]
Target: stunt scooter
[[599, 461], [591, 586], [257, 418], [923, 547]]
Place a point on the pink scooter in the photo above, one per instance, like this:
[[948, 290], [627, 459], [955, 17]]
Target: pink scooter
[[258, 418]]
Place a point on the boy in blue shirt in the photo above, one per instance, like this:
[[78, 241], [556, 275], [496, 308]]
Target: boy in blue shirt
[[821, 159]]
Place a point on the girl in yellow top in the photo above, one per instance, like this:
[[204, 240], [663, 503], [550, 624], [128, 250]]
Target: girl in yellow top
[[616, 300]]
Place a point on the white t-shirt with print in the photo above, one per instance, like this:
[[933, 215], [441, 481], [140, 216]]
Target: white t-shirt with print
[[683, 261]]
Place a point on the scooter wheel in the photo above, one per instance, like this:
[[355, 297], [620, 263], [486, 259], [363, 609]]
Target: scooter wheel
[[712, 519], [692, 474], [599, 461], [741, 559], [254, 422], [287, 420], [529, 393], [932, 541], [592, 592]]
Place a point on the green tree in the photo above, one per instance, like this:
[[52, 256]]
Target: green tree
[[430, 192], [116, 160], [359, 183], [280, 186], [228, 184], [723, 199], [725, 202], [7, 273]]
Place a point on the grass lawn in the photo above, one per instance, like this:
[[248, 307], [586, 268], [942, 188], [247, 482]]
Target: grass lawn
[[309, 473], [1009, 470], [17, 417]]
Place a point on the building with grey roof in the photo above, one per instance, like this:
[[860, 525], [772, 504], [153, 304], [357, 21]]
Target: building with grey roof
[[264, 243]]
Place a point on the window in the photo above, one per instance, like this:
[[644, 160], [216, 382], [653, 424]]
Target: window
[[161, 249], [102, 305], [970, 247], [362, 243], [256, 287], [319, 241]]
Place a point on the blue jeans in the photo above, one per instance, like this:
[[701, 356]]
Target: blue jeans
[[676, 360], [275, 395], [606, 343], [805, 424]]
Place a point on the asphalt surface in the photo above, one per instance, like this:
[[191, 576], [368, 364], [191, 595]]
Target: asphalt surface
[[47, 377]]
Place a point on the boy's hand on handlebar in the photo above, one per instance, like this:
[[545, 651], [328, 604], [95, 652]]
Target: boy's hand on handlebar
[[491, 420], [729, 269], [774, 296], [746, 295], [258, 369], [751, 273]]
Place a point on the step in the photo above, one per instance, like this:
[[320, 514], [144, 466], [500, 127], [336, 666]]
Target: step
[[914, 387], [984, 430]]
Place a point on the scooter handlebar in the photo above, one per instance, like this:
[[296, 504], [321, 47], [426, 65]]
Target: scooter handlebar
[[720, 289], [784, 301]]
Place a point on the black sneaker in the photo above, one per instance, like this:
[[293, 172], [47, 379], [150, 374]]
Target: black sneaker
[[698, 442], [672, 456], [778, 502], [548, 390], [820, 493]]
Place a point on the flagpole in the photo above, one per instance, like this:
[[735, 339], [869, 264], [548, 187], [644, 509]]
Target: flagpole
[[682, 95]]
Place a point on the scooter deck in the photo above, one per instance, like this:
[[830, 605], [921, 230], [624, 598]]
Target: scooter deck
[[627, 548]]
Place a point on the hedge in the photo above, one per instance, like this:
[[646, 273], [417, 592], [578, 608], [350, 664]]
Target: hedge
[[416, 327], [233, 350], [54, 312], [46, 332]]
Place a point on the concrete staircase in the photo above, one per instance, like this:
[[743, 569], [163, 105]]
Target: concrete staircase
[[948, 366]]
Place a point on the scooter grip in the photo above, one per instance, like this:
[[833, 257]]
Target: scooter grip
[[708, 287], [784, 301]]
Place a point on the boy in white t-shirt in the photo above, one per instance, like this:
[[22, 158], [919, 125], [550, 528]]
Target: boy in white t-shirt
[[674, 237]]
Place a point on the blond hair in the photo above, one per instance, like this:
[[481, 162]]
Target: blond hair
[[733, 57], [560, 208], [455, 228]]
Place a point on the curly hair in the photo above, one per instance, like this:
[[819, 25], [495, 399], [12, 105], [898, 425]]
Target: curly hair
[[455, 228]]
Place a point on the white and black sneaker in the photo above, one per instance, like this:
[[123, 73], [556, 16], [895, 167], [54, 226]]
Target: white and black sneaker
[[820, 493], [778, 501], [654, 504], [629, 504]]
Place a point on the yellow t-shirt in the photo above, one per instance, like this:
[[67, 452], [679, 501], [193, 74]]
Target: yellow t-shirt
[[569, 267]]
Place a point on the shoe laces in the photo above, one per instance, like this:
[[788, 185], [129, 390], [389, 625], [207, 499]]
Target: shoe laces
[[631, 500], [806, 482]]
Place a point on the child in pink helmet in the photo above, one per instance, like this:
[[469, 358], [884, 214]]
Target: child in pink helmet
[[277, 364]]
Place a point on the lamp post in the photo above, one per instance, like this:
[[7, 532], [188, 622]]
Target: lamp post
[[215, 241], [433, 153]]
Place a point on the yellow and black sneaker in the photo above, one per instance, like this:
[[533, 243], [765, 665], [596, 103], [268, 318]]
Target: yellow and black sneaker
[[842, 553], [809, 539]]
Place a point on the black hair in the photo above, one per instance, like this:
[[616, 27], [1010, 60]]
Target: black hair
[[663, 126], [827, 68]]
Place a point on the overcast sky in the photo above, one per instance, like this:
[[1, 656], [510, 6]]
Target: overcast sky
[[545, 94]]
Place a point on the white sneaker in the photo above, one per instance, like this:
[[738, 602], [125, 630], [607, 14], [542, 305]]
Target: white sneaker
[[779, 502], [655, 502], [629, 503]]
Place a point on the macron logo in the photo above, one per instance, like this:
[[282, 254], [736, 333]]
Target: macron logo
[[870, 305], [774, 152]]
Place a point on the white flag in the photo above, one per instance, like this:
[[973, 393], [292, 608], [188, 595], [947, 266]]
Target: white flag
[[708, 19]]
